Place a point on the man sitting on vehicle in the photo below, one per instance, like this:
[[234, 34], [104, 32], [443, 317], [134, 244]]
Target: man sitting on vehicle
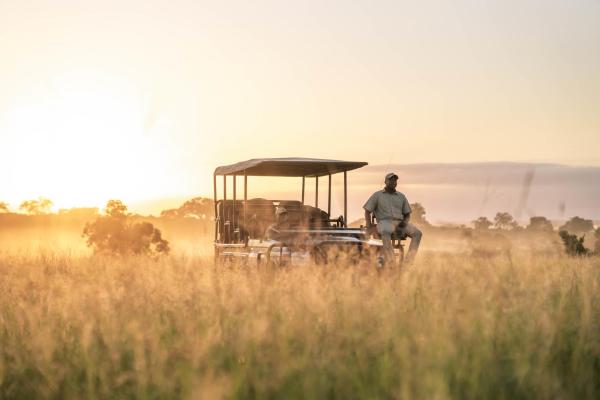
[[392, 212], [275, 231]]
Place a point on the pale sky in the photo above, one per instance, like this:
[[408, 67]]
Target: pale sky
[[141, 100]]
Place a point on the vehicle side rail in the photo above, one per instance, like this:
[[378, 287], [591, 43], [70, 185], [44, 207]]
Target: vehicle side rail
[[270, 248], [235, 245]]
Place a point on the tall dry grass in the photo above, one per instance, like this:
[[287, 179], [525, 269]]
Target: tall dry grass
[[451, 326]]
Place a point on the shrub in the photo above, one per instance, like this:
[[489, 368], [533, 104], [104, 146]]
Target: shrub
[[115, 233], [573, 244]]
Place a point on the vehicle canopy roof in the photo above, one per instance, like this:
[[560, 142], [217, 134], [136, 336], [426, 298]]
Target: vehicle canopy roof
[[292, 166]]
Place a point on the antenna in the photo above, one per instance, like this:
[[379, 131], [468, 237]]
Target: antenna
[[525, 189], [387, 167]]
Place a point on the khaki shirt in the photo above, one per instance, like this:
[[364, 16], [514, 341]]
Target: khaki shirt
[[388, 206]]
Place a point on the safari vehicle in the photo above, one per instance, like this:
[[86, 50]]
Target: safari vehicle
[[313, 235]]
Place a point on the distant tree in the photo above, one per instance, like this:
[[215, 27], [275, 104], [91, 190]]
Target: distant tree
[[573, 244], [198, 207], [115, 208], [597, 242], [170, 213], [115, 233], [577, 225], [417, 216], [539, 224], [3, 207], [504, 220], [36, 207], [482, 224]]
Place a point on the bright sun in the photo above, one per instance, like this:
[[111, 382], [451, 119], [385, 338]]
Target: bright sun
[[83, 139]]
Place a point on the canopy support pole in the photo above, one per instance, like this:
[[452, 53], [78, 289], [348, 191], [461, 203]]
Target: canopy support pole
[[329, 196], [224, 201], [245, 197], [317, 191], [303, 179], [233, 207], [215, 200], [345, 200]]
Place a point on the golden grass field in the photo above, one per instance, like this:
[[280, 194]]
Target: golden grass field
[[75, 326]]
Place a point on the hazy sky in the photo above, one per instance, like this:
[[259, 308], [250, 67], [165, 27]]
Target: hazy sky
[[142, 99]]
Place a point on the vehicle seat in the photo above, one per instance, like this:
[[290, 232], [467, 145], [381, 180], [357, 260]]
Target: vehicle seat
[[295, 212], [315, 217], [225, 218], [260, 213]]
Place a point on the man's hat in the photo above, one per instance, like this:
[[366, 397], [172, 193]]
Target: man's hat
[[280, 210], [391, 175]]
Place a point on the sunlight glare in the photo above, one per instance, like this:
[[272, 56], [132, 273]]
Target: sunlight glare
[[82, 140]]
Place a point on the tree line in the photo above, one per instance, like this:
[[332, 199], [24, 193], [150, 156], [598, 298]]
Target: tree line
[[505, 221], [114, 231], [38, 206]]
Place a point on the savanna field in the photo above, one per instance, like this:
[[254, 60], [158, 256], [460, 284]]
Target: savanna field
[[137, 137], [454, 325]]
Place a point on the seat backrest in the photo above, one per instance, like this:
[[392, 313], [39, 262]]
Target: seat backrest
[[315, 217], [259, 215], [225, 220], [295, 212]]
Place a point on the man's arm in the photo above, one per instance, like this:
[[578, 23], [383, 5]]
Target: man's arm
[[406, 211], [272, 232], [368, 221], [406, 219], [369, 207]]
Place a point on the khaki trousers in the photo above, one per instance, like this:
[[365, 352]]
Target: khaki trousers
[[387, 227]]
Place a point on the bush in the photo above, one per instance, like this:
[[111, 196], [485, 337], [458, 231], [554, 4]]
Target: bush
[[573, 244], [115, 233]]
